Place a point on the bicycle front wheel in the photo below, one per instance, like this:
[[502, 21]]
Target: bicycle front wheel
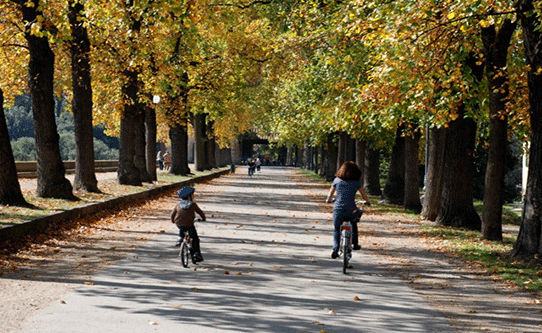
[[185, 254]]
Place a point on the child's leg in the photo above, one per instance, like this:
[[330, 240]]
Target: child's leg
[[195, 240]]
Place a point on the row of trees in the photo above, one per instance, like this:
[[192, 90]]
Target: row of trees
[[312, 72], [460, 73]]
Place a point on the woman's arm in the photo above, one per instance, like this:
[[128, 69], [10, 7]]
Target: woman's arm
[[364, 196], [330, 194]]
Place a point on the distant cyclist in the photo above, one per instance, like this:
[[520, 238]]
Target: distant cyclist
[[183, 216], [346, 184]]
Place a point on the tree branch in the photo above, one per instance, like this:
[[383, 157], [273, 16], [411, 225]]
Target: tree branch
[[250, 4]]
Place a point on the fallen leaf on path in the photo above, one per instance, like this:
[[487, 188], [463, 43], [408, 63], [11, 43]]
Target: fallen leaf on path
[[317, 323], [89, 283], [277, 267], [357, 298], [226, 272]]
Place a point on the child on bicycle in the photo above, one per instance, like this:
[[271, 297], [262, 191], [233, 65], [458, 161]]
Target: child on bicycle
[[346, 184], [183, 216]]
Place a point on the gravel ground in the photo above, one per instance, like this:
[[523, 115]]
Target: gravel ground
[[472, 300]]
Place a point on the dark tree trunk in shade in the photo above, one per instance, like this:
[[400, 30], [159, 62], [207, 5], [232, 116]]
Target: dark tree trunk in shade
[[456, 206], [332, 156], [412, 181], [128, 173], [51, 180], [85, 176], [435, 168], [394, 190], [496, 46], [529, 240], [371, 172], [10, 189], [150, 142]]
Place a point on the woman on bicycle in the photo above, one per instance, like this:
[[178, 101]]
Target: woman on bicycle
[[183, 216], [346, 184]]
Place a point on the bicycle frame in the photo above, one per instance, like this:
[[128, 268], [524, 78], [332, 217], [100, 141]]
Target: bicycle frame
[[345, 248], [186, 249]]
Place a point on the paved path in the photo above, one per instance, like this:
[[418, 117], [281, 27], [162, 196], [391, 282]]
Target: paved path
[[267, 269]]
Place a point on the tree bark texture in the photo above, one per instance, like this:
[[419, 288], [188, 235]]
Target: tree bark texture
[[435, 168], [178, 134], [140, 157], [85, 176], [332, 156], [10, 189], [360, 156], [371, 171], [412, 178], [496, 47], [150, 142], [394, 190], [456, 207], [128, 173], [51, 180], [529, 240], [199, 136], [341, 154]]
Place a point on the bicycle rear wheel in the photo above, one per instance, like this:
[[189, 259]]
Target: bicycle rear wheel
[[346, 256], [185, 254]]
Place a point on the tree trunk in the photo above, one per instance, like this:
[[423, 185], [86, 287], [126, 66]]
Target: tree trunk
[[140, 158], [456, 208], [412, 178], [178, 135], [435, 166], [332, 157], [394, 190], [360, 156], [496, 46], [371, 172], [199, 135], [210, 147], [323, 161], [85, 176], [529, 240], [341, 153], [128, 173], [150, 141], [10, 189], [51, 180]]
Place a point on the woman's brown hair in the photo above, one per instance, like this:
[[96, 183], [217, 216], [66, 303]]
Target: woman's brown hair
[[349, 171]]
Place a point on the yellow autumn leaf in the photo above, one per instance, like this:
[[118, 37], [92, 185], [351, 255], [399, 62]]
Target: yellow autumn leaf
[[484, 23], [451, 16]]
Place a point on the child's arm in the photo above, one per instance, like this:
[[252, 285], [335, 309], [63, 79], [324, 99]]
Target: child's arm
[[173, 215], [330, 194], [200, 212]]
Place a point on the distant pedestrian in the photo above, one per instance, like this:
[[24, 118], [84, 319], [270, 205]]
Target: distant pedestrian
[[167, 161], [258, 164], [160, 160]]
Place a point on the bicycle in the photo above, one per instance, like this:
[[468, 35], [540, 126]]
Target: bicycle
[[345, 247], [186, 249]]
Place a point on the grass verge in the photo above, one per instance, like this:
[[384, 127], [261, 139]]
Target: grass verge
[[110, 188]]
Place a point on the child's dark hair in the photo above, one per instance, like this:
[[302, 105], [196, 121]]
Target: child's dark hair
[[349, 171]]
